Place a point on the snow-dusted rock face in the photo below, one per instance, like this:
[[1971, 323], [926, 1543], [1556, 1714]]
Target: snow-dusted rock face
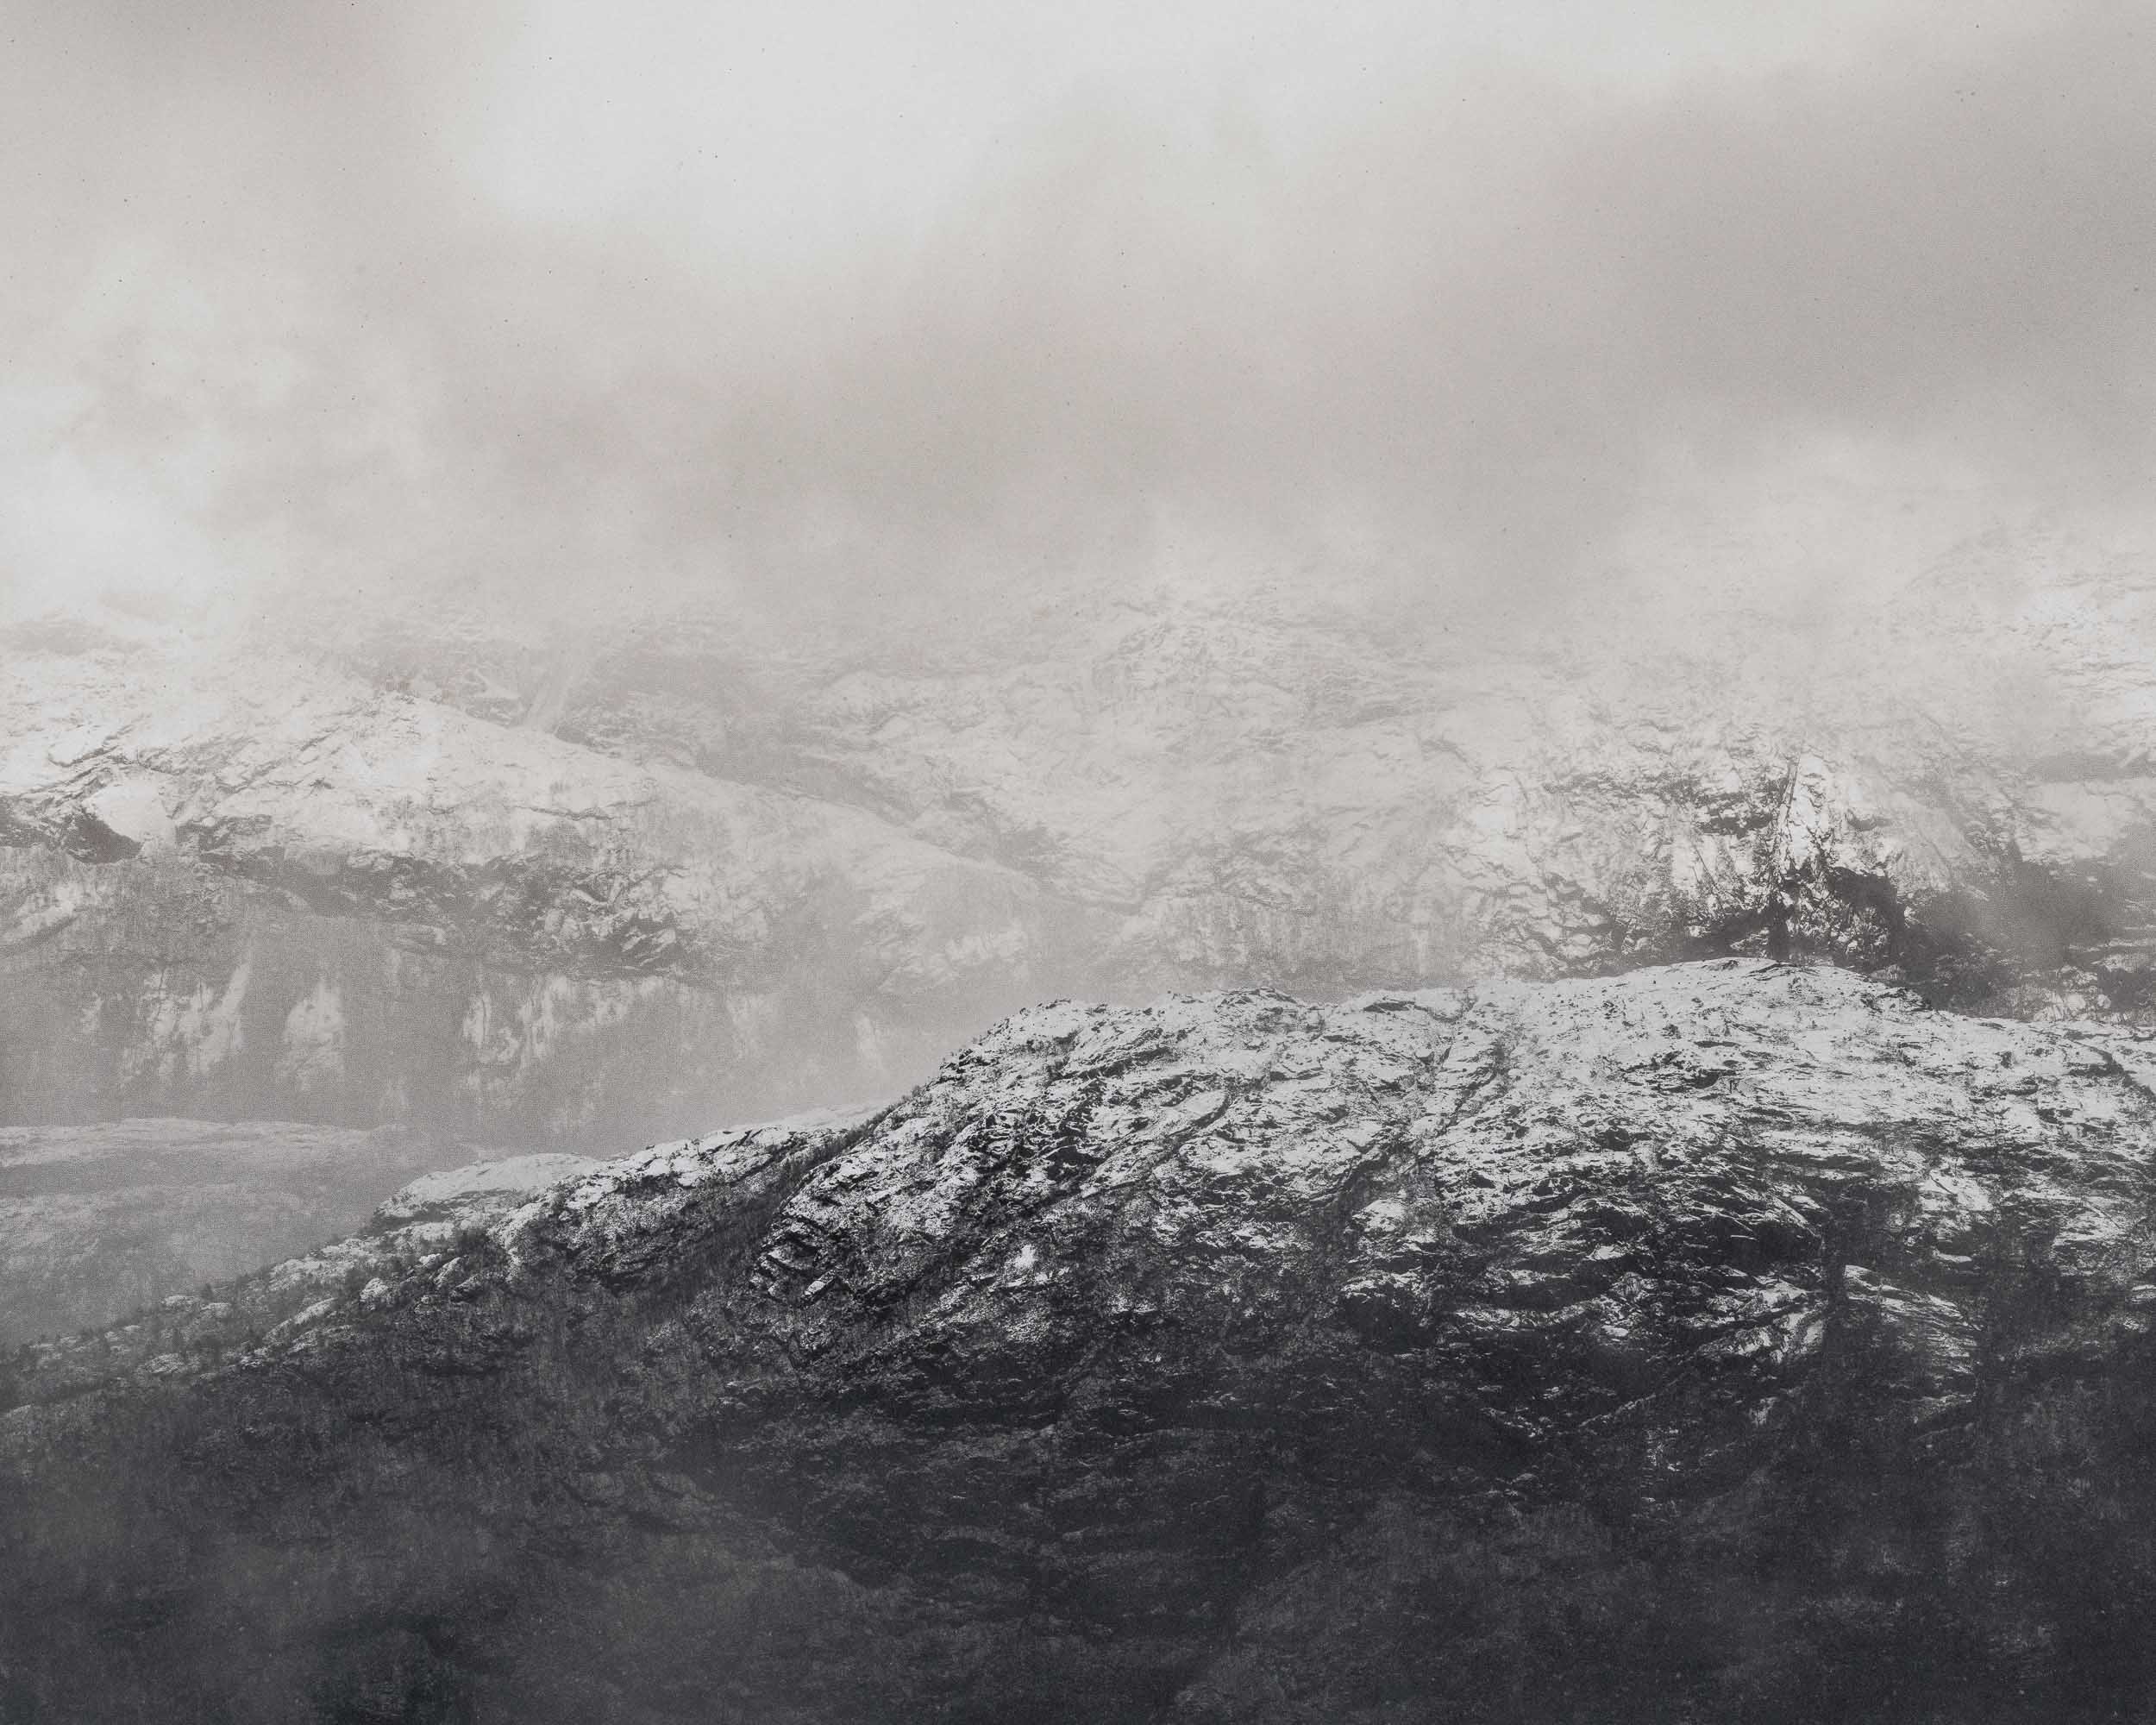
[[669, 871], [1730, 1341], [1954, 783], [454, 1196], [240, 884]]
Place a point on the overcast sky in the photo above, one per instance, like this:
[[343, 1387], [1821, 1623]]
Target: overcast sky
[[816, 297]]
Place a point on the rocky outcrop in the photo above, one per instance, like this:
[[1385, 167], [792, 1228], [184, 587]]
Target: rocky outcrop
[[1732, 1341]]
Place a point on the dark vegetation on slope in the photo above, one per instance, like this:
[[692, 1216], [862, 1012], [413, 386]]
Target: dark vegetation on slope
[[521, 1535], [1719, 1343]]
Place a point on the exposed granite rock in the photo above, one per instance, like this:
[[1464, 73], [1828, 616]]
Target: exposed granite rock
[[1728, 1341]]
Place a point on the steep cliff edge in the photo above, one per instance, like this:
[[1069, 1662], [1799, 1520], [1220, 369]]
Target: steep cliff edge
[[1731, 1341]]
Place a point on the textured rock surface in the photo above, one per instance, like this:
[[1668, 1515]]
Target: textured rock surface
[[660, 874], [1729, 1341]]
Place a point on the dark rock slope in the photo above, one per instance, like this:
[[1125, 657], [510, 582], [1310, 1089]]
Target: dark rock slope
[[1724, 1342]]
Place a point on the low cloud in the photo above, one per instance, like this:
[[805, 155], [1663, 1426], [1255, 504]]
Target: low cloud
[[350, 302]]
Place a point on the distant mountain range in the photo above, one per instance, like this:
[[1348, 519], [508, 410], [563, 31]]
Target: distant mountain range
[[530, 888]]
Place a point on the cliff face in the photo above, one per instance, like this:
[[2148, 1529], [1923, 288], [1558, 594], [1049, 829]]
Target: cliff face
[[672, 872], [1730, 1341]]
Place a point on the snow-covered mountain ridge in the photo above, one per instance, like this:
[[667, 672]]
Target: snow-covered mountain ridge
[[1749, 1337], [669, 870]]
